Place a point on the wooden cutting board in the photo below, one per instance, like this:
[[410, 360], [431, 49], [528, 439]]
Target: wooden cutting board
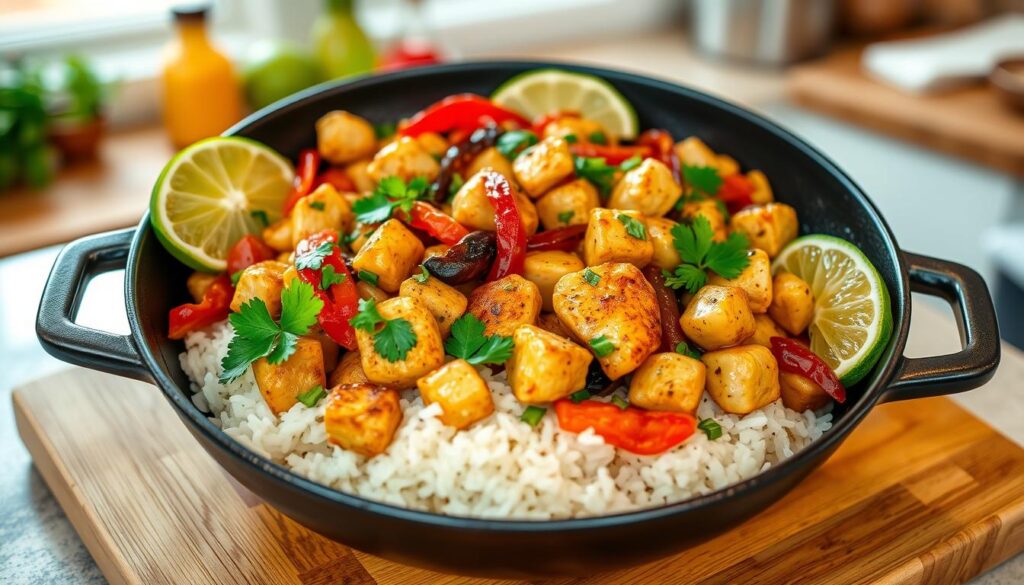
[[922, 492], [971, 123]]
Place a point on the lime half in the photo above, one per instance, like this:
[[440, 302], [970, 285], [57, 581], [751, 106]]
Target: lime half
[[214, 192], [544, 91], [852, 316]]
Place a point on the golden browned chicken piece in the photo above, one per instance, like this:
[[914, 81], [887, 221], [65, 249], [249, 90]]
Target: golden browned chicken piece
[[764, 329], [543, 165], [343, 137], [793, 306], [545, 269], [545, 367], [492, 158], [742, 379], [659, 232], [348, 371], [755, 280], [392, 252], [443, 301], [710, 211], [668, 381], [473, 209], [568, 204], [263, 280], [505, 304], [800, 393], [280, 384], [617, 236], [718, 316], [404, 158], [362, 417], [323, 209], [768, 227], [649, 188], [425, 356], [463, 395]]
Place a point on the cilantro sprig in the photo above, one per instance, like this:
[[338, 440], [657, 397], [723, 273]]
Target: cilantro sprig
[[597, 171], [391, 193], [392, 338], [704, 181], [512, 143], [314, 259], [330, 277], [468, 342], [634, 227], [258, 335], [700, 253]]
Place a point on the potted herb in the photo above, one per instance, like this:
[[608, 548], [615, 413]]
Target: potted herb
[[75, 98], [24, 154]]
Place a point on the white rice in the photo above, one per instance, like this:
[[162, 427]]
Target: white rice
[[500, 467]]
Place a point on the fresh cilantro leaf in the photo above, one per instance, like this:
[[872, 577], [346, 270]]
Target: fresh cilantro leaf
[[566, 216], [391, 187], [571, 138], [423, 276], [260, 216], [634, 227], [591, 277], [242, 351], [312, 396], [703, 180], [253, 320], [318, 205], [375, 208], [299, 307], [236, 276], [314, 258], [598, 137], [284, 349], [368, 317], [467, 341], [729, 258], [602, 346], [511, 144], [329, 277], [596, 171], [630, 163], [685, 349], [685, 276], [385, 130], [394, 340], [496, 349], [391, 193], [699, 252], [368, 277], [693, 241]]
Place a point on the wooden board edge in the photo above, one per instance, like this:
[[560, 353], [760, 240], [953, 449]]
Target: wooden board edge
[[75, 507]]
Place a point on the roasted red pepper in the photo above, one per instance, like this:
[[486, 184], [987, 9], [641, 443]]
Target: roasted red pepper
[[335, 177], [735, 192], [612, 155], [341, 301], [668, 306], [565, 239], [793, 357], [215, 306], [662, 148], [463, 112], [248, 250], [305, 175], [436, 223], [511, 235], [644, 432]]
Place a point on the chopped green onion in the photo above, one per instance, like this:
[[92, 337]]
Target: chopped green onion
[[317, 205], [634, 227], [423, 275], [580, 396], [385, 129], [711, 428], [571, 138], [598, 137], [591, 277], [236, 276], [312, 396], [630, 163], [261, 216], [532, 415], [368, 277], [620, 402], [566, 216], [511, 144], [601, 346], [684, 349]]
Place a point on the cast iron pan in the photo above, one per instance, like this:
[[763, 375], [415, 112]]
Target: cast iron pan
[[827, 202]]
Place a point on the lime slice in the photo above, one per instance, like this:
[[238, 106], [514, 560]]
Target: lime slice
[[543, 91], [211, 194], [852, 316]]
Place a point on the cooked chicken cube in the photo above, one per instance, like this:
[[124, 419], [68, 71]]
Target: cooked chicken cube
[[362, 418], [405, 158], [359, 235], [769, 227], [583, 129], [505, 304], [463, 395], [359, 172], [263, 280], [545, 367], [693, 152], [793, 305], [392, 252], [712, 212], [755, 280], [367, 291], [764, 329], [668, 381], [348, 371], [545, 269], [649, 188], [323, 209], [659, 232], [280, 384], [491, 158], [762, 188], [800, 393], [433, 143], [568, 204], [473, 209], [718, 316], [198, 283], [425, 356], [551, 323], [619, 315], [343, 137], [543, 165], [444, 302], [617, 236], [278, 235], [742, 379]]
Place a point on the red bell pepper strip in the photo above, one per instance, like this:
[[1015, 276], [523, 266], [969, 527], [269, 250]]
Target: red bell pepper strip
[[305, 175], [464, 111], [797, 359], [436, 223], [668, 307], [735, 192], [662, 147], [644, 432], [565, 239], [248, 250], [341, 302], [215, 306], [336, 178], [510, 232], [612, 155]]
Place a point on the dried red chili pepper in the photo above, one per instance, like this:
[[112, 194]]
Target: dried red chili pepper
[[793, 357]]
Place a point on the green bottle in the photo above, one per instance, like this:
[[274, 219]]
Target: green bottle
[[339, 43]]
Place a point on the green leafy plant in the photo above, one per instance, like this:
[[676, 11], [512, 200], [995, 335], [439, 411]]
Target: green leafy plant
[[75, 92], [24, 153]]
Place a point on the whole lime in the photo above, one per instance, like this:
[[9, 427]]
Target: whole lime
[[275, 70]]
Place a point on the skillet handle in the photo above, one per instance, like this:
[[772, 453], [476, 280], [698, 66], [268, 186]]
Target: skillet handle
[[968, 295], [59, 335]]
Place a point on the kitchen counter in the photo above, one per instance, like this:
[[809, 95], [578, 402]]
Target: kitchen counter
[[38, 545]]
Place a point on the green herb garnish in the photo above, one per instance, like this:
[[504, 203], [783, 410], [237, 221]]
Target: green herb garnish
[[533, 415], [423, 276], [260, 216], [236, 276], [598, 172], [391, 193], [711, 428], [368, 277], [393, 340], [703, 180], [571, 138], [511, 144], [566, 216], [699, 253], [468, 341], [620, 402], [314, 259], [580, 396], [385, 130], [329, 277], [602, 346], [634, 227], [312, 396], [591, 277], [683, 348], [598, 137], [318, 205], [630, 163]]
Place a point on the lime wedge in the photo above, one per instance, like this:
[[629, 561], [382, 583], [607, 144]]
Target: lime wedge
[[544, 91], [852, 315], [211, 194]]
